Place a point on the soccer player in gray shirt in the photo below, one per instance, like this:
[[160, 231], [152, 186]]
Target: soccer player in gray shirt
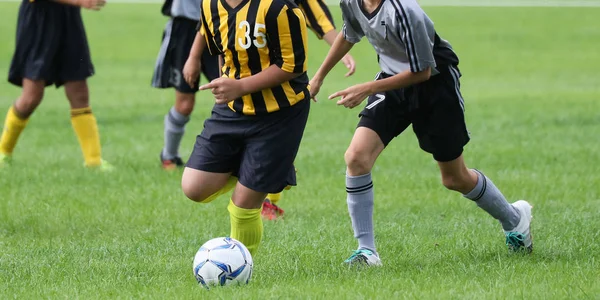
[[419, 85]]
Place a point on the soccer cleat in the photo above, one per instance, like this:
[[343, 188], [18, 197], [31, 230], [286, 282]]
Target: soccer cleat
[[271, 211], [520, 237], [104, 166], [171, 164], [363, 257], [4, 160]]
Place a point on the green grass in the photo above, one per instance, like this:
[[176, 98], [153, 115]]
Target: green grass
[[531, 88]]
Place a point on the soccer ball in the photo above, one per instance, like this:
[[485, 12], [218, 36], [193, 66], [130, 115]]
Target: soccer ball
[[222, 261]]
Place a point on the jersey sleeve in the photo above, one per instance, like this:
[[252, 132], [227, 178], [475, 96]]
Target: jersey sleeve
[[318, 17], [413, 30], [287, 38], [351, 28], [204, 30]]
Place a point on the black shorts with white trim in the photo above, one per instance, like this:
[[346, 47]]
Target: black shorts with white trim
[[435, 108]]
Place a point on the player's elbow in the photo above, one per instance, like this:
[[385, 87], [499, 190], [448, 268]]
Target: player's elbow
[[424, 75]]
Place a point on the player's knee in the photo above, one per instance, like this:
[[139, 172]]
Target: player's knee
[[184, 103], [358, 162], [30, 99], [192, 191]]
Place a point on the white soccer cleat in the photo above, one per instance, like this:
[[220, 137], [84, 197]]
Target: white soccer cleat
[[363, 257], [520, 237]]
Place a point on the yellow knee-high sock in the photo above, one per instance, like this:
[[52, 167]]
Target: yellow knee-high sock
[[231, 182], [274, 198], [86, 129], [246, 226], [13, 126]]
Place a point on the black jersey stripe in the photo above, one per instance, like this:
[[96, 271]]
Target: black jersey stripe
[[297, 42], [216, 20], [327, 12], [410, 43], [312, 19], [254, 62]]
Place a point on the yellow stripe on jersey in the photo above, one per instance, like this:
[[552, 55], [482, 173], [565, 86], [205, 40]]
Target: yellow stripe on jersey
[[253, 36], [318, 16]]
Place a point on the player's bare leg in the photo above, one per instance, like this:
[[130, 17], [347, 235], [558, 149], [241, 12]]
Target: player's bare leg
[[201, 186], [365, 147], [515, 218], [175, 121], [244, 207], [85, 124], [18, 115], [244, 213]]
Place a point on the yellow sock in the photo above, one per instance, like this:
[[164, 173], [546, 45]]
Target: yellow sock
[[231, 182], [274, 198], [246, 226], [86, 129], [13, 126]]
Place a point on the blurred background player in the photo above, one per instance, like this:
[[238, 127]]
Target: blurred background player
[[418, 85], [52, 48], [319, 19], [178, 38], [262, 104]]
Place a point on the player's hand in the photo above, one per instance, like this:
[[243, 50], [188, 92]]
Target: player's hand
[[91, 4], [349, 62], [191, 71], [352, 96], [225, 89], [315, 87]]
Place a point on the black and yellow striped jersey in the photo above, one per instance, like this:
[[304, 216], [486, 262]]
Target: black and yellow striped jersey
[[253, 36], [318, 16]]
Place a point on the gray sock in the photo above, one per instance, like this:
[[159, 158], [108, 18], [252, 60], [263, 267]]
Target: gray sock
[[489, 198], [360, 207], [174, 129]]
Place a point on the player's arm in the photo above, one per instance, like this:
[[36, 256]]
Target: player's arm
[[287, 41], [191, 69], [88, 4], [420, 58], [340, 47], [320, 21]]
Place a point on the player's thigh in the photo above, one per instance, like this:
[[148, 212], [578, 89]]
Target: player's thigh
[[386, 113], [441, 127], [199, 185], [74, 54], [268, 160]]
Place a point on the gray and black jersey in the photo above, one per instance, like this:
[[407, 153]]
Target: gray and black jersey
[[189, 9], [401, 33]]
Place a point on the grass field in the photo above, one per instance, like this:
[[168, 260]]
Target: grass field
[[531, 87]]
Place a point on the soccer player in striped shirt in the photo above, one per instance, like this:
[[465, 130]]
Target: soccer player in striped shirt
[[419, 85], [52, 49], [262, 104], [178, 38]]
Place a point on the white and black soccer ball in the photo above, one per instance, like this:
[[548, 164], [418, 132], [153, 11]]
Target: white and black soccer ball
[[222, 261]]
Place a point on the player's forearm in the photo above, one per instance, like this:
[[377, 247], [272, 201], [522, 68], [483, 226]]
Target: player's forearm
[[330, 36], [268, 78], [198, 46], [339, 48], [398, 81]]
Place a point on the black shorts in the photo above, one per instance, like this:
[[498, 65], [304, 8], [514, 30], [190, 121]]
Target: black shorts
[[435, 108], [177, 42], [259, 150], [51, 44]]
